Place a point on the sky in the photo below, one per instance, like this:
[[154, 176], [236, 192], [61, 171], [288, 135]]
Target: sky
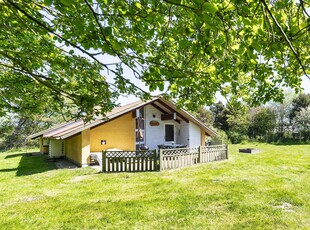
[[305, 84]]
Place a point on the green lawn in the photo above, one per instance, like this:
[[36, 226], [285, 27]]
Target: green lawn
[[269, 190]]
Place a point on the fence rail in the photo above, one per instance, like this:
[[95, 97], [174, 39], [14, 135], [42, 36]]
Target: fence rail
[[213, 153], [141, 161], [129, 161], [178, 158]]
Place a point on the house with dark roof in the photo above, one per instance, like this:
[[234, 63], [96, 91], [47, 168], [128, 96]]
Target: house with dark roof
[[152, 124]]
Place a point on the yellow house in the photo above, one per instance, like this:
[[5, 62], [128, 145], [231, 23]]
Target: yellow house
[[143, 124]]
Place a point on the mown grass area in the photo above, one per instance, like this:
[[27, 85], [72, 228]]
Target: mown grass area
[[269, 190]]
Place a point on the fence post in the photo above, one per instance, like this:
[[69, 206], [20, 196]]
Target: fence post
[[160, 158], [226, 152], [199, 154], [104, 161], [153, 162]]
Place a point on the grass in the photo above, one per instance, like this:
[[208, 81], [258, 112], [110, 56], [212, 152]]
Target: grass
[[269, 190]]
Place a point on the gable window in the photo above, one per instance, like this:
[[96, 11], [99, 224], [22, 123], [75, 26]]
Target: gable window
[[169, 132]]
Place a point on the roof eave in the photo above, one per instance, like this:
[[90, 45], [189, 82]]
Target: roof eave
[[192, 118], [99, 122]]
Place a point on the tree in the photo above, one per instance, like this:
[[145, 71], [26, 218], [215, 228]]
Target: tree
[[238, 121], [282, 110], [302, 121], [188, 49], [220, 114], [205, 116], [299, 103], [26, 108], [14, 128], [263, 123]]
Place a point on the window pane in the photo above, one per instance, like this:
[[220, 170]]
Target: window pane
[[139, 136], [140, 122], [169, 132]]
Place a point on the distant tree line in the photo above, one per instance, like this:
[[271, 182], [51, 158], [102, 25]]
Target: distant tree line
[[14, 128], [288, 121]]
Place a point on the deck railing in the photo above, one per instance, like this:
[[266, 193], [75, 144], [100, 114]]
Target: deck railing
[[141, 161]]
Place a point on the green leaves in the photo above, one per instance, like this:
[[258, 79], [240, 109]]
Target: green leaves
[[193, 48], [211, 8], [67, 2], [107, 30], [48, 2]]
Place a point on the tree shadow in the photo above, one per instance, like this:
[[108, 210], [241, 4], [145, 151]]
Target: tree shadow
[[29, 164], [291, 143], [8, 170], [14, 155]]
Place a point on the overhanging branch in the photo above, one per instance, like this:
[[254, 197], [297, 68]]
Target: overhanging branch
[[286, 38]]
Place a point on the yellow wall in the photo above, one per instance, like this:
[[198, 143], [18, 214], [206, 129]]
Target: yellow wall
[[41, 145], [85, 146], [118, 133], [43, 149], [203, 138], [73, 148]]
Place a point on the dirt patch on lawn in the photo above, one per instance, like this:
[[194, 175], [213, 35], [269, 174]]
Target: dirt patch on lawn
[[80, 178], [286, 207], [29, 198]]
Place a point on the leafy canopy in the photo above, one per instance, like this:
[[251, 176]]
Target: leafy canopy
[[188, 48]]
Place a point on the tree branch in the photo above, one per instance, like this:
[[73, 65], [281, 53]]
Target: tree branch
[[41, 24], [285, 37]]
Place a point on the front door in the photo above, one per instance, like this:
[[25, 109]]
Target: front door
[[169, 133]]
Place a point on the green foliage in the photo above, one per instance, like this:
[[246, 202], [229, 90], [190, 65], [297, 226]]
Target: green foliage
[[220, 138], [302, 122], [263, 123], [238, 122], [233, 119], [270, 123], [194, 48], [220, 114], [205, 116], [299, 103], [15, 128], [236, 137], [282, 111]]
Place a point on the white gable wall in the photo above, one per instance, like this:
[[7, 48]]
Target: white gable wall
[[183, 137], [194, 135], [155, 135]]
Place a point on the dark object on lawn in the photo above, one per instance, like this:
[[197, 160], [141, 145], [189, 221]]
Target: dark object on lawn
[[249, 150]]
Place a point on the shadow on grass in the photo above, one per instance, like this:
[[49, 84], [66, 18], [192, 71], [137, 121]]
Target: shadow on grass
[[8, 170], [291, 143], [29, 164], [14, 155]]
